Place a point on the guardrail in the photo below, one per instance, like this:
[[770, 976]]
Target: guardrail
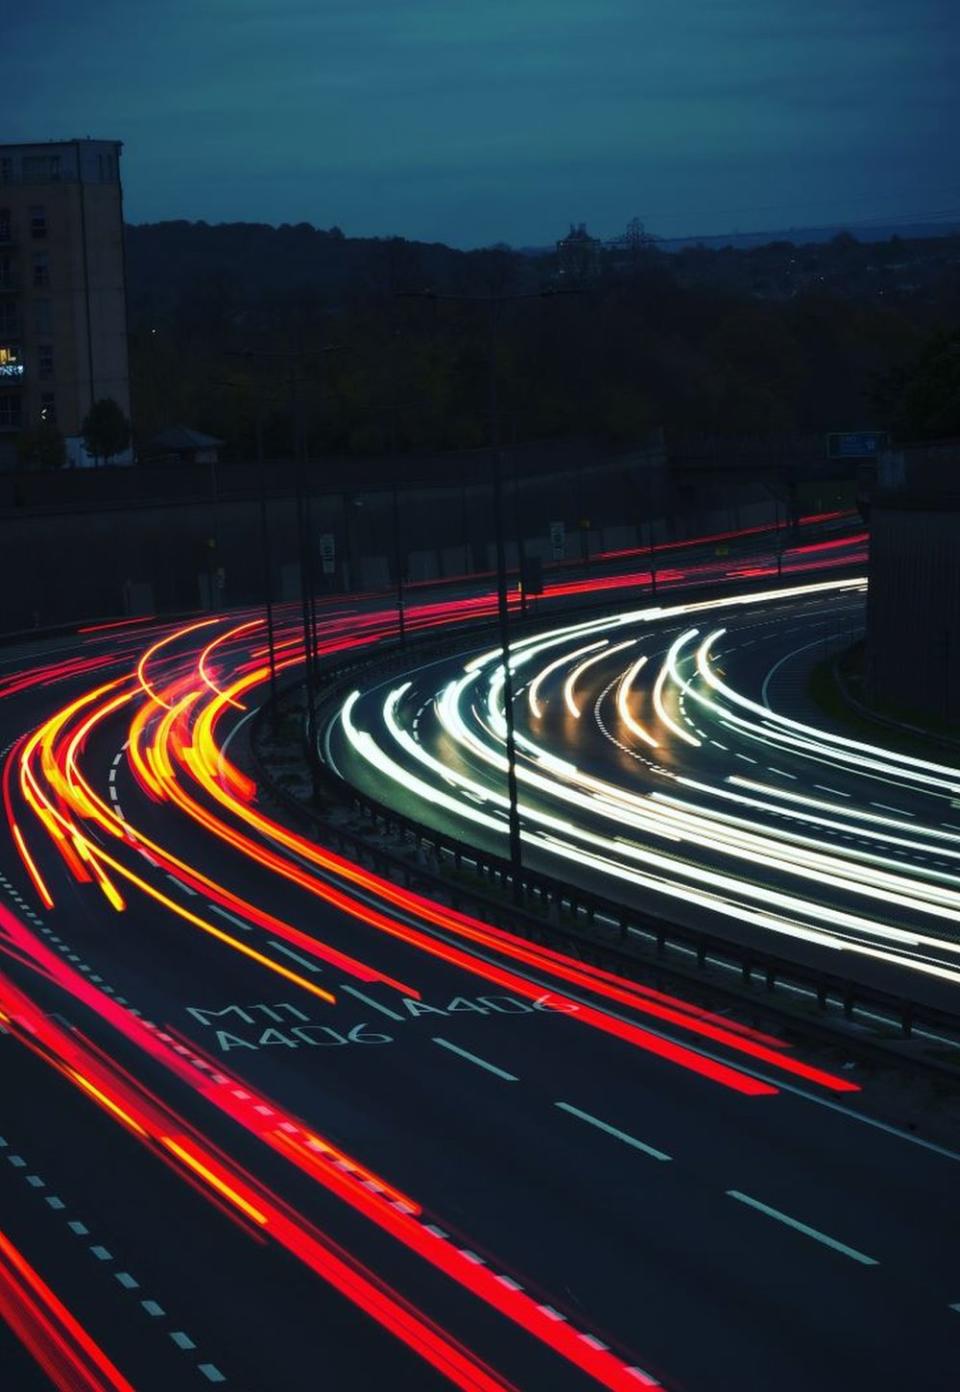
[[586, 925]]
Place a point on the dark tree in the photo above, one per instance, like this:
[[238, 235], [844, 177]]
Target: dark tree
[[922, 401], [106, 430], [42, 447]]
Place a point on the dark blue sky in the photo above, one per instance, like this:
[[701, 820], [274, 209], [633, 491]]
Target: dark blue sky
[[474, 121]]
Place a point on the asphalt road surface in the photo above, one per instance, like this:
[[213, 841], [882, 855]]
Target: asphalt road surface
[[268, 1121]]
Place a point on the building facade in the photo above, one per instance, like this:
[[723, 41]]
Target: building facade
[[912, 659], [63, 323]]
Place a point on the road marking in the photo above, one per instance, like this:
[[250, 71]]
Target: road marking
[[101, 1253], [754, 1072], [182, 1340], [745, 757], [782, 772], [231, 918], [822, 788], [900, 811], [211, 1372], [180, 884], [374, 1005], [289, 952], [126, 1280], [955, 1307], [612, 1131], [472, 1058], [152, 1308], [802, 1228]]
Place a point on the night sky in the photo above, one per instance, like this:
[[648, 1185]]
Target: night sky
[[476, 121]]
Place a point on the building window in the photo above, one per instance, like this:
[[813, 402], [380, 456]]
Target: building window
[[7, 276], [6, 230], [38, 223], [10, 412], [48, 408], [6, 169], [41, 269], [11, 364], [41, 169], [9, 319], [45, 359], [43, 316]]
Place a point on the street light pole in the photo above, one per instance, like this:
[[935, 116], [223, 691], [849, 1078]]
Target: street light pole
[[265, 553], [264, 540], [398, 566], [492, 303], [503, 610], [307, 596]]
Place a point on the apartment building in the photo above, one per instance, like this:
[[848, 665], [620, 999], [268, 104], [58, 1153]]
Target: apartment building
[[63, 329]]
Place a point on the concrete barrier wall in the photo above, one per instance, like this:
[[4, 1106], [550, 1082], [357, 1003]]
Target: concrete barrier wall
[[166, 557]]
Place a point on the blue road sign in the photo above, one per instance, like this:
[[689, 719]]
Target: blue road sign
[[856, 444]]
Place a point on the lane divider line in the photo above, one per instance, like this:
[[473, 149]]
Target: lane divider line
[[794, 1223], [613, 1131], [472, 1058]]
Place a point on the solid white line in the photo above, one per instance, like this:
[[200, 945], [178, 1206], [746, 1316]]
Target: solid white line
[[802, 1227], [472, 1058], [612, 1131], [374, 1005], [289, 952]]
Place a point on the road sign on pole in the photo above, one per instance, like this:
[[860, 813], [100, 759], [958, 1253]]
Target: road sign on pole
[[856, 444], [558, 540], [328, 552]]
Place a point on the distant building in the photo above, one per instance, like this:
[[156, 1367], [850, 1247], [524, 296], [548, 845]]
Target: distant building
[[178, 444], [578, 255], [63, 326], [913, 606]]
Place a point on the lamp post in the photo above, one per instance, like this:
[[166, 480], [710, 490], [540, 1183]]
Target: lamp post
[[493, 303], [296, 359], [264, 540]]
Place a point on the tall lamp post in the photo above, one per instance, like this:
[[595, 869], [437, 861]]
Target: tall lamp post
[[264, 539], [296, 359], [493, 304]]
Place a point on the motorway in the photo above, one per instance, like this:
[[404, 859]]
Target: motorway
[[270, 1121], [670, 756]]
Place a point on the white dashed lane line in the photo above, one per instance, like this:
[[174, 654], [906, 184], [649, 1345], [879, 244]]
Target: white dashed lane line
[[472, 1058], [794, 1223], [613, 1131], [102, 1254]]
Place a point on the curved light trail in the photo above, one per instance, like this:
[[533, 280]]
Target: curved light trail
[[112, 787], [848, 881]]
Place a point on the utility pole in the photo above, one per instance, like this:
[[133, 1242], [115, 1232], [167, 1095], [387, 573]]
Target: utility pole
[[296, 358], [264, 538], [492, 304]]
